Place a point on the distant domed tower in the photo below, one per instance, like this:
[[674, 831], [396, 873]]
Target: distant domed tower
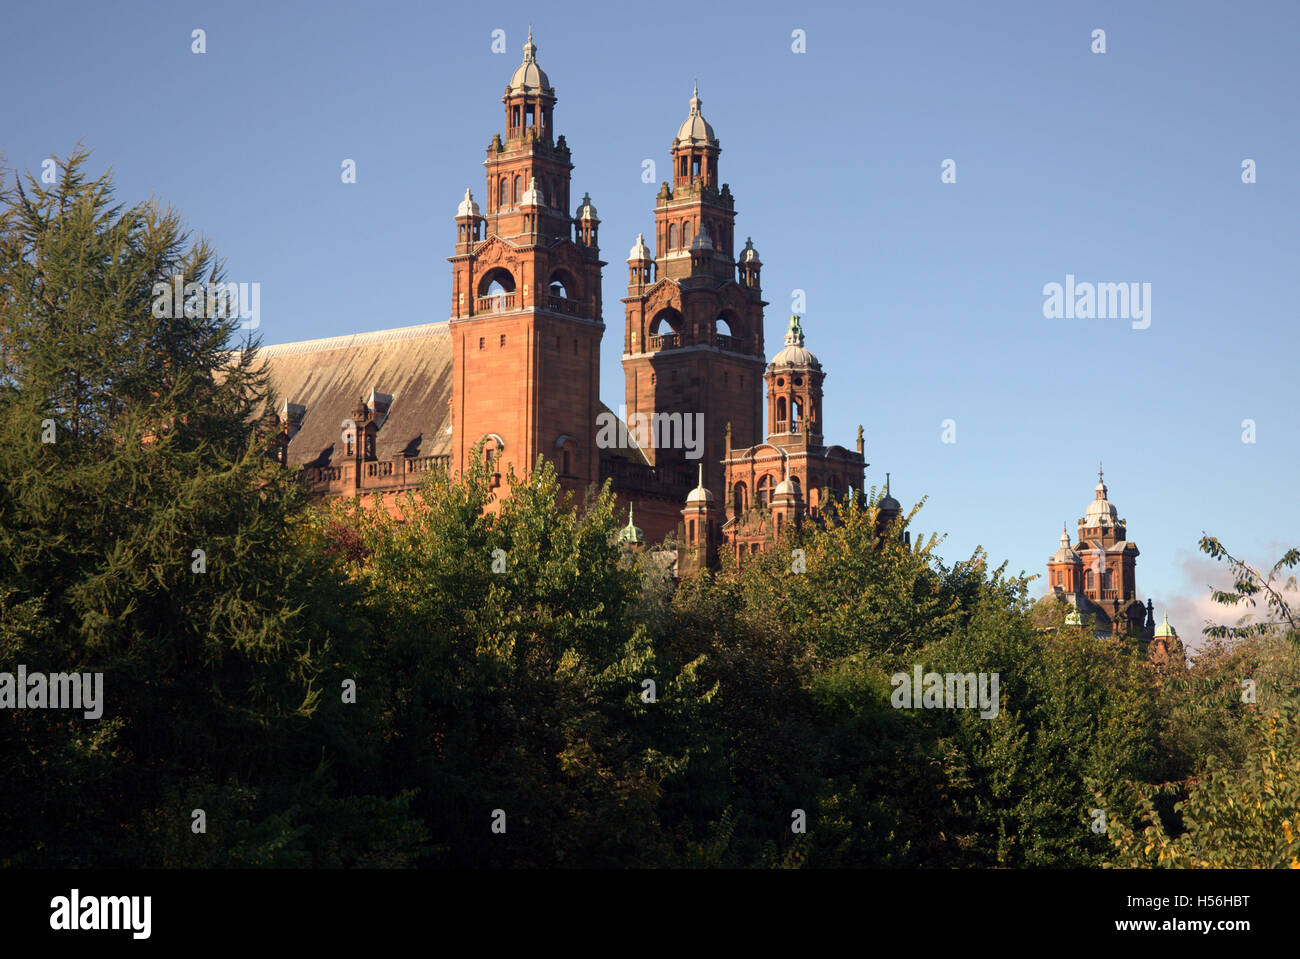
[[1097, 575], [1166, 648]]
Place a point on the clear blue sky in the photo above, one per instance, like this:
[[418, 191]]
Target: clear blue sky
[[924, 299]]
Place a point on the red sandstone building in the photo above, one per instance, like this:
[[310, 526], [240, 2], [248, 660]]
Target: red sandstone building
[[516, 368], [1097, 578]]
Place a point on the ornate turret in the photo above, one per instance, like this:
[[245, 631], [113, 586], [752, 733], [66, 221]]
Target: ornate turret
[[749, 265], [587, 223], [640, 264], [630, 535], [794, 393], [701, 529]]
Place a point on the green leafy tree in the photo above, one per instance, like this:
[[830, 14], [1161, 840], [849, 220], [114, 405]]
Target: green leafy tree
[[144, 534]]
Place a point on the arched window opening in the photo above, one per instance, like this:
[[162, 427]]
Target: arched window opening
[[514, 197], [764, 498], [739, 501], [672, 236], [665, 326], [494, 289]]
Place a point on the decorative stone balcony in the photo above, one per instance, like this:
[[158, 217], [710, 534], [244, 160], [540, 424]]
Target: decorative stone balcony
[[403, 472], [676, 341], [495, 303]]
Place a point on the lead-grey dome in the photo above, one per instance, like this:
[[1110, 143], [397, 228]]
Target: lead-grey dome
[[1065, 554], [529, 77], [794, 353], [695, 129]]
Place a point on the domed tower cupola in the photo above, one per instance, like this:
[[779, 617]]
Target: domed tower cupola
[[529, 98], [749, 264], [1101, 523], [587, 223], [1065, 568], [794, 392], [640, 264], [695, 150], [469, 223]]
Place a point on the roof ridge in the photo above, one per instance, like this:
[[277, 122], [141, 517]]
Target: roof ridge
[[350, 340]]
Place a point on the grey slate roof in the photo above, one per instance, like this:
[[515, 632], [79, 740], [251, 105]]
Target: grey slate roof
[[329, 376]]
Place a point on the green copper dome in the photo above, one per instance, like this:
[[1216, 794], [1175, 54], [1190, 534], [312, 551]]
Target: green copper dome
[[630, 533]]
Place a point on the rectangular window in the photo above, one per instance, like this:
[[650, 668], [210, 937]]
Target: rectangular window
[[503, 339], [481, 342]]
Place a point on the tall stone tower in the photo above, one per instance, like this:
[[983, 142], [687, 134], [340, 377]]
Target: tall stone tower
[[526, 304], [693, 342], [1097, 575]]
